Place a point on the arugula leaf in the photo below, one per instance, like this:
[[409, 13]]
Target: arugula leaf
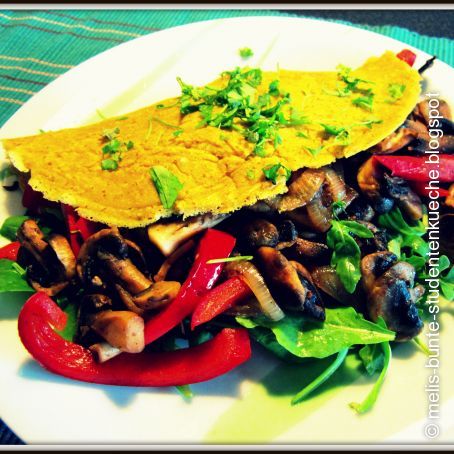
[[273, 172], [325, 375], [273, 89], [371, 398], [11, 225], [372, 357], [167, 184], [346, 255], [306, 338], [12, 278]]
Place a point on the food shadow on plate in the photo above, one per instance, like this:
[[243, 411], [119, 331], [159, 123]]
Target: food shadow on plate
[[11, 304]]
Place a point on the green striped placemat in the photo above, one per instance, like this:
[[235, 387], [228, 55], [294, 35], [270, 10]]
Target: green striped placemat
[[38, 46]]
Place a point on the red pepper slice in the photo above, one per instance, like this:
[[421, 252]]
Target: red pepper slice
[[10, 251], [41, 314], [407, 56], [79, 228], [420, 188], [202, 276], [219, 299], [415, 168]]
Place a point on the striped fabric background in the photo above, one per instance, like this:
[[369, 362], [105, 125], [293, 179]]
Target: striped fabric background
[[38, 46]]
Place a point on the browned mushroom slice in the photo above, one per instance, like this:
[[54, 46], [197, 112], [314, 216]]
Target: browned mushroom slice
[[125, 271], [422, 110], [302, 188], [157, 295], [103, 351], [301, 248], [286, 284], [172, 259], [51, 290], [406, 198], [31, 238], [396, 141], [167, 236], [390, 294], [121, 329], [259, 232], [369, 179], [64, 253], [374, 265]]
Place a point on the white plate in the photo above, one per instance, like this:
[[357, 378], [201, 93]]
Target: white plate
[[44, 408]]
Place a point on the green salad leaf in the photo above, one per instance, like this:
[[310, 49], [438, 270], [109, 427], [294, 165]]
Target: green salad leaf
[[11, 225], [346, 257], [305, 338], [70, 308], [12, 278]]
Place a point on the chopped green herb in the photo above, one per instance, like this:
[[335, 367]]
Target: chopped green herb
[[250, 174], [41, 131], [368, 123], [169, 125], [351, 84], [177, 132], [167, 185], [274, 88], [236, 258], [273, 172], [366, 102], [111, 134], [302, 134], [342, 134], [109, 164], [240, 108], [149, 129], [396, 91], [122, 118], [315, 151], [245, 52]]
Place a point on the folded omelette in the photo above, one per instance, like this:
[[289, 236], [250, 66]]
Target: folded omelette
[[218, 168]]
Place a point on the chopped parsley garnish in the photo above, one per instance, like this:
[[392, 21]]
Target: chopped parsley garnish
[[245, 52], [177, 132], [273, 89], [302, 134], [113, 149], [238, 106], [167, 185], [236, 258], [315, 151], [351, 84], [366, 102], [275, 171], [250, 174], [396, 91], [342, 135]]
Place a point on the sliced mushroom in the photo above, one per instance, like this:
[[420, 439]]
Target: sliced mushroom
[[259, 232], [398, 189], [121, 329], [360, 210], [327, 280], [369, 178], [157, 295], [103, 351], [396, 141], [125, 271], [288, 286], [303, 249], [390, 294], [50, 263], [302, 188], [172, 259], [167, 236]]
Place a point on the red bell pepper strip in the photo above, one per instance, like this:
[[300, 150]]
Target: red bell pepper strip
[[415, 168], [202, 276], [407, 56], [79, 228], [420, 187], [219, 299], [40, 315], [10, 251]]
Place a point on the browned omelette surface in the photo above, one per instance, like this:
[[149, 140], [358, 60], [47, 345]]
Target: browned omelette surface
[[218, 168]]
